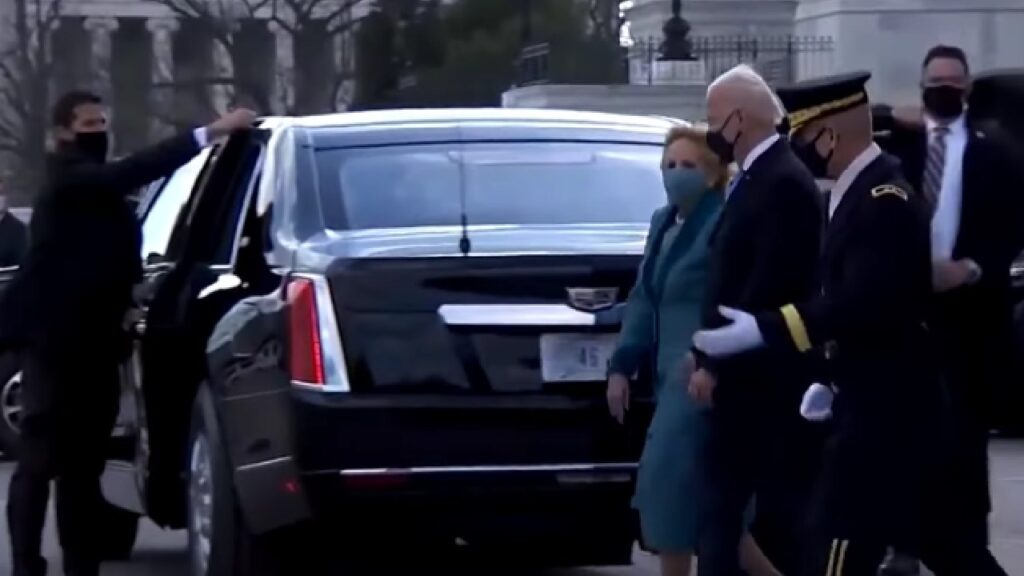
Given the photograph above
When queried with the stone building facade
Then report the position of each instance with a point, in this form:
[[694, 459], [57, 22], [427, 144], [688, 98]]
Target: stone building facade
[[887, 37], [159, 68]]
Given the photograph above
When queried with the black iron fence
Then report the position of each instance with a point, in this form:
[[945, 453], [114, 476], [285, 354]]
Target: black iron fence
[[780, 59]]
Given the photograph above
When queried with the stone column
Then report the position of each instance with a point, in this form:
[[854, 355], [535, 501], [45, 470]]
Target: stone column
[[101, 32], [222, 92], [344, 66], [283, 95], [52, 46], [161, 33]]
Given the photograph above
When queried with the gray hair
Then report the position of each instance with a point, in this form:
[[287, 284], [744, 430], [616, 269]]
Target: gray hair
[[757, 94]]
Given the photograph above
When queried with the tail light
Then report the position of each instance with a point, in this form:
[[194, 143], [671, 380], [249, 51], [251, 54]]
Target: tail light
[[315, 356]]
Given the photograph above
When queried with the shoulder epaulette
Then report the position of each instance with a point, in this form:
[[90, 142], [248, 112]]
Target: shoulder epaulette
[[889, 189]]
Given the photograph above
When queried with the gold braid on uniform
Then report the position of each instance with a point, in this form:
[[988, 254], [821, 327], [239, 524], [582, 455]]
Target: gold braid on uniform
[[889, 190], [797, 328], [800, 117]]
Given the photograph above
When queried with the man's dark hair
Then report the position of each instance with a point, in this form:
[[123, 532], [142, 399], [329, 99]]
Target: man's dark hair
[[64, 109], [950, 52]]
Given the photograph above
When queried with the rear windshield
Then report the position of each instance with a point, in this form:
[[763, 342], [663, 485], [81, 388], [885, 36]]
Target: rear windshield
[[503, 183]]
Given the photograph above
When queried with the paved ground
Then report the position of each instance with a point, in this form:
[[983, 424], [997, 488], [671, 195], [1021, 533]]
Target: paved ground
[[161, 553]]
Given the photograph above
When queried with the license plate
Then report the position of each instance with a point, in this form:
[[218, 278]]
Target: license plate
[[576, 357]]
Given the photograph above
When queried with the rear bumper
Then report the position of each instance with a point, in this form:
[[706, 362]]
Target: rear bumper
[[551, 476], [433, 435], [565, 515]]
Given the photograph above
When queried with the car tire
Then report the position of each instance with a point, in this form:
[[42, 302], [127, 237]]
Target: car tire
[[10, 404], [120, 530], [219, 541]]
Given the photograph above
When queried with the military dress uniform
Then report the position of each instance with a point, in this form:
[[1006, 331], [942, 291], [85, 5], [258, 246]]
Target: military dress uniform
[[870, 319]]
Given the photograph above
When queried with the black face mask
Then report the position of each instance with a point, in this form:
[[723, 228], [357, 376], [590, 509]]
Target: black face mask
[[718, 144], [95, 145], [808, 153], [943, 102]]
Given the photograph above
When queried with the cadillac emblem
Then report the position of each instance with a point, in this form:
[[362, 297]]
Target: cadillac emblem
[[592, 299]]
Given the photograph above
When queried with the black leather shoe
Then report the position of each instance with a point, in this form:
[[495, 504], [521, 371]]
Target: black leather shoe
[[30, 568]]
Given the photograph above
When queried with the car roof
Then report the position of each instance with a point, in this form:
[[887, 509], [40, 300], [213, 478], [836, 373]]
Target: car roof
[[405, 117]]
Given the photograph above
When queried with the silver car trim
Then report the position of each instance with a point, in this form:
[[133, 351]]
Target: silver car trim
[[263, 464], [614, 468], [514, 315]]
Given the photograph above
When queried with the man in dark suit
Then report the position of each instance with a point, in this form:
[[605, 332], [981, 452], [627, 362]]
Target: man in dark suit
[[764, 253], [65, 311], [13, 234], [868, 318], [975, 193]]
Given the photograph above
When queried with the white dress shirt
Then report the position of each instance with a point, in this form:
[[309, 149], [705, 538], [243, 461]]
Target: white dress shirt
[[850, 174], [758, 150], [201, 136], [946, 219], [755, 153]]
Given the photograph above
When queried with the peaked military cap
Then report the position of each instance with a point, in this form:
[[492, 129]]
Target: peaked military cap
[[821, 97]]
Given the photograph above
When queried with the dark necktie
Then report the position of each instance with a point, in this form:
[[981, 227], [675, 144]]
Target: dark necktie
[[733, 184], [934, 166]]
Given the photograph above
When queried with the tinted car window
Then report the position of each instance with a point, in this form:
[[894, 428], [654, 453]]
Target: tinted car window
[[519, 183], [158, 223]]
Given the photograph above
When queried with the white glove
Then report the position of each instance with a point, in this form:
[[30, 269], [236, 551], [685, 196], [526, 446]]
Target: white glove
[[740, 336], [816, 405]]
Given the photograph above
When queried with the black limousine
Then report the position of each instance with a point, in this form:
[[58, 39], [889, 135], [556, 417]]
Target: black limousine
[[390, 328]]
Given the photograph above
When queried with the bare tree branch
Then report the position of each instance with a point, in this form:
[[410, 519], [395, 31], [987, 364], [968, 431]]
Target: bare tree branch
[[26, 71], [295, 18]]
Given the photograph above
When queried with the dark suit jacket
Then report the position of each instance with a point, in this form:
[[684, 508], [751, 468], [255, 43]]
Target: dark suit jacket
[[973, 324], [13, 240], [764, 254], [85, 240]]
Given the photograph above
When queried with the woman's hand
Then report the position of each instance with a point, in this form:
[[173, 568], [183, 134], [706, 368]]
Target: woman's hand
[[702, 387], [618, 397]]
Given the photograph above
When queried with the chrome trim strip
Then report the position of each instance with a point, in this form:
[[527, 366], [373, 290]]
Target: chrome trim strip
[[514, 315], [263, 464], [618, 467], [598, 478], [331, 349]]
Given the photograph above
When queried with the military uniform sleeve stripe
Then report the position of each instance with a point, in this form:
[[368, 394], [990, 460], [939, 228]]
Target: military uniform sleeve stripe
[[830, 569], [797, 329], [837, 558], [842, 557]]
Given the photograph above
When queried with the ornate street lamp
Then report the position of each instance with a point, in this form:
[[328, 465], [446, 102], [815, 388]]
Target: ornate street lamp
[[676, 44]]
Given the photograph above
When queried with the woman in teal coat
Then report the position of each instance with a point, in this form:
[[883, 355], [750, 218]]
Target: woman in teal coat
[[661, 317]]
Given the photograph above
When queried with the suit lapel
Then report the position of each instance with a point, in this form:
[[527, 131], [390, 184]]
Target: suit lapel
[[689, 232], [838, 223], [970, 208], [734, 203], [651, 260]]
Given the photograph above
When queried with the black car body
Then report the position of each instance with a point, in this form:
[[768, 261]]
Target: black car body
[[395, 325]]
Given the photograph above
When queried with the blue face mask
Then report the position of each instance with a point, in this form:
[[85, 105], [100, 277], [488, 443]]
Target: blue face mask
[[684, 187]]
